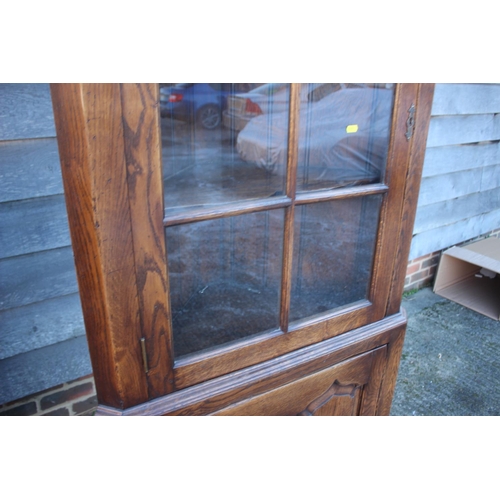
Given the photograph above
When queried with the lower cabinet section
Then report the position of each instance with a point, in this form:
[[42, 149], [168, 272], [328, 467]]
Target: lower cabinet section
[[348, 388], [352, 374]]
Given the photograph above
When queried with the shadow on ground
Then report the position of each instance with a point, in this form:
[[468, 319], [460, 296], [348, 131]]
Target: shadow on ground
[[451, 360]]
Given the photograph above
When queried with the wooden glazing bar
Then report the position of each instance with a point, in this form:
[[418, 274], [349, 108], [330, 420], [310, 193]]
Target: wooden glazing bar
[[340, 194], [291, 183], [225, 349], [286, 277], [224, 210], [293, 140], [328, 315]]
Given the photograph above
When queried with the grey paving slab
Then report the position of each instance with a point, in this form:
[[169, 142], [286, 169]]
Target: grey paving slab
[[451, 360]]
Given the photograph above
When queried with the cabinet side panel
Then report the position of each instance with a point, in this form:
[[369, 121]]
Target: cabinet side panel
[[90, 137]]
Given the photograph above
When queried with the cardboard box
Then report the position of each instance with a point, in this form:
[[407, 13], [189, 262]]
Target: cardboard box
[[464, 276]]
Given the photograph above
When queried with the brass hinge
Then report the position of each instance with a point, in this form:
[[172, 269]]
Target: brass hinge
[[144, 354], [410, 122]]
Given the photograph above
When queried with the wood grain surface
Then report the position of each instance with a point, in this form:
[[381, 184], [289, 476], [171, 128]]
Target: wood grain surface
[[215, 395], [142, 154], [91, 145], [344, 359], [403, 226]]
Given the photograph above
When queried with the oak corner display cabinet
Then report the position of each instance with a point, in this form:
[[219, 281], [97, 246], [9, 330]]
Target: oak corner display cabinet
[[241, 249]]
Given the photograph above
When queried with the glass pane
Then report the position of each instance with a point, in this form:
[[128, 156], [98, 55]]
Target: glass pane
[[217, 138], [225, 277], [343, 134], [333, 251]]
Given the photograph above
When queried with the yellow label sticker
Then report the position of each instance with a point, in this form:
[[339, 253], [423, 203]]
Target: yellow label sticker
[[351, 129]]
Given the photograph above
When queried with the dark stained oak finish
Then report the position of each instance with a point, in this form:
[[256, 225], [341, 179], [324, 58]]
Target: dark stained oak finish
[[175, 217], [411, 192], [336, 391], [395, 178], [291, 182], [142, 143], [342, 361]]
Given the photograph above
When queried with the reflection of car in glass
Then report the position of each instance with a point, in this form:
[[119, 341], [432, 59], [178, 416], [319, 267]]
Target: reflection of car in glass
[[343, 136], [274, 98], [200, 103], [270, 98]]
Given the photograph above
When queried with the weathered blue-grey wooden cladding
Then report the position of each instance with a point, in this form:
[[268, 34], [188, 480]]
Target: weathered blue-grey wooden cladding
[[42, 336], [29, 169], [25, 111], [460, 191]]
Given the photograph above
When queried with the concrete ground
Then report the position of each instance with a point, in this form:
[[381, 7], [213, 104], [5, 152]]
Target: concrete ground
[[451, 360]]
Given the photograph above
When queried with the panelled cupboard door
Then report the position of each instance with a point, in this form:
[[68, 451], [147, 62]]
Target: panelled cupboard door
[[348, 389], [220, 226]]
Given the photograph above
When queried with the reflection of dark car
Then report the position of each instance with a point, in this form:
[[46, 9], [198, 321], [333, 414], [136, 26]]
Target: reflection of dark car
[[343, 136], [200, 103], [268, 98]]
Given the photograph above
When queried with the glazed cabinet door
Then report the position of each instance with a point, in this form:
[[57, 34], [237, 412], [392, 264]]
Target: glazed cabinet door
[[280, 218]]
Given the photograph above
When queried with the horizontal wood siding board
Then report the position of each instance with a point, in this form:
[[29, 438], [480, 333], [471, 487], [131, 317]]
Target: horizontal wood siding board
[[465, 99], [490, 177], [448, 159], [29, 169], [36, 277], [448, 186], [38, 325], [459, 195], [463, 129], [25, 111], [453, 234], [41, 369], [33, 225], [456, 209]]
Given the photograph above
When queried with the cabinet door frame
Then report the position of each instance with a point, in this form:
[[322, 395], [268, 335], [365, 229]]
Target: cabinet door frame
[[110, 148]]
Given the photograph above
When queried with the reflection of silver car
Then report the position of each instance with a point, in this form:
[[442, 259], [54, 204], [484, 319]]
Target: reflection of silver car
[[269, 98], [273, 98], [343, 137]]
